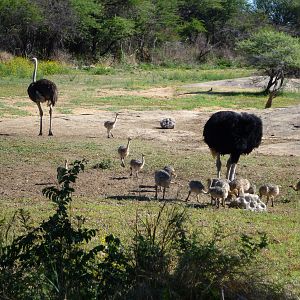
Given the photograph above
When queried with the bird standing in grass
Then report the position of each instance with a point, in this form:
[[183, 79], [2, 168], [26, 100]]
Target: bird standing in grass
[[228, 132], [163, 179], [137, 165], [41, 91], [110, 125], [270, 191], [196, 187], [124, 152]]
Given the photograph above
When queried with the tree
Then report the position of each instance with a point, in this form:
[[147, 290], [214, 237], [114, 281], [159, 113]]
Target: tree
[[275, 53], [282, 13]]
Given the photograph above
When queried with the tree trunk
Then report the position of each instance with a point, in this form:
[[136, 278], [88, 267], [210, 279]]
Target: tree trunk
[[272, 95], [276, 81]]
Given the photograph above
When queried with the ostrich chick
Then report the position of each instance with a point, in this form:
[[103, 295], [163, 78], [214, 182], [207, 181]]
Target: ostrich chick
[[217, 182], [296, 187], [137, 165], [239, 186], [163, 179], [110, 125], [218, 193], [124, 151], [269, 190], [196, 187]]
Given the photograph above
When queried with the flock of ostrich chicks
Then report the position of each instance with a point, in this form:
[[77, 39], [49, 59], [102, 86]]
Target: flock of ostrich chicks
[[225, 132], [239, 193]]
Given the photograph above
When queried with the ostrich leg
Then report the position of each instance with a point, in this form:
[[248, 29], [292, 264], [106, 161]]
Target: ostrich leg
[[218, 165], [187, 198], [50, 113], [228, 165], [156, 192], [164, 190], [232, 172], [231, 165], [41, 117]]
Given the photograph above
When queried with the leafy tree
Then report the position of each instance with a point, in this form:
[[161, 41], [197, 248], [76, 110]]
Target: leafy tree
[[284, 13], [275, 53], [19, 20]]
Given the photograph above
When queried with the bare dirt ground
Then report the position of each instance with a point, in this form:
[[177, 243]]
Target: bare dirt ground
[[281, 137]]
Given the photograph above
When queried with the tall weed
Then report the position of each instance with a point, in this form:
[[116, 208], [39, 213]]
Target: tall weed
[[22, 68]]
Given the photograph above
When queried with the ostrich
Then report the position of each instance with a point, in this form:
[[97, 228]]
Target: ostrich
[[218, 192], [41, 91], [239, 186], [163, 179], [137, 165], [123, 152], [110, 125], [269, 190], [195, 187], [228, 132], [296, 187], [217, 182]]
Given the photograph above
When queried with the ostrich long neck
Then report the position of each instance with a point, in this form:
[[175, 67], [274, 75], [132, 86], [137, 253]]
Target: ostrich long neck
[[143, 160], [116, 119], [35, 70], [127, 147]]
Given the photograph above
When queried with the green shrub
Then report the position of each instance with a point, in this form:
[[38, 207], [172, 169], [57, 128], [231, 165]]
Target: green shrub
[[52, 261], [104, 164]]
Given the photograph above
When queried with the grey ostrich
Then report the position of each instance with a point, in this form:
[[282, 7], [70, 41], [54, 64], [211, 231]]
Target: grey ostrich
[[137, 165], [41, 91], [110, 125], [124, 152], [228, 132], [163, 179]]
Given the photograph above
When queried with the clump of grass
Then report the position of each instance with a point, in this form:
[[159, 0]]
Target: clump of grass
[[102, 70], [103, 164]]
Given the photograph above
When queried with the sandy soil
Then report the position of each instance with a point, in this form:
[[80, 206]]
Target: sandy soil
[[281, 137]]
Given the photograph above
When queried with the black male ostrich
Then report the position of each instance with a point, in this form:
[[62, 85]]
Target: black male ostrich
[[41, 91], [228, 132]]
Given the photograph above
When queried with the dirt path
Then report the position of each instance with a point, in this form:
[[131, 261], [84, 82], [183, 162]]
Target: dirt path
[[281, 127]]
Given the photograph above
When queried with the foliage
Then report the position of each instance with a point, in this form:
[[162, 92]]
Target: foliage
[[54, 253], [285, 13], [274, 52], [268, 49], [23, 68], [104, 164], [206, 267], [136, 29]]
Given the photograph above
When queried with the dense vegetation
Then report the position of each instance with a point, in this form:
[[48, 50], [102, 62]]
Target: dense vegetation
[[140, 30]]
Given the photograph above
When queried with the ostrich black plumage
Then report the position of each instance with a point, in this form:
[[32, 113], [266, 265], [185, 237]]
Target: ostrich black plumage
[[228, 132], [41, 91]]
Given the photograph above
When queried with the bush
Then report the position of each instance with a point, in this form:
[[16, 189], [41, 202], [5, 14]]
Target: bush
[[104, 164], [51, 260]]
